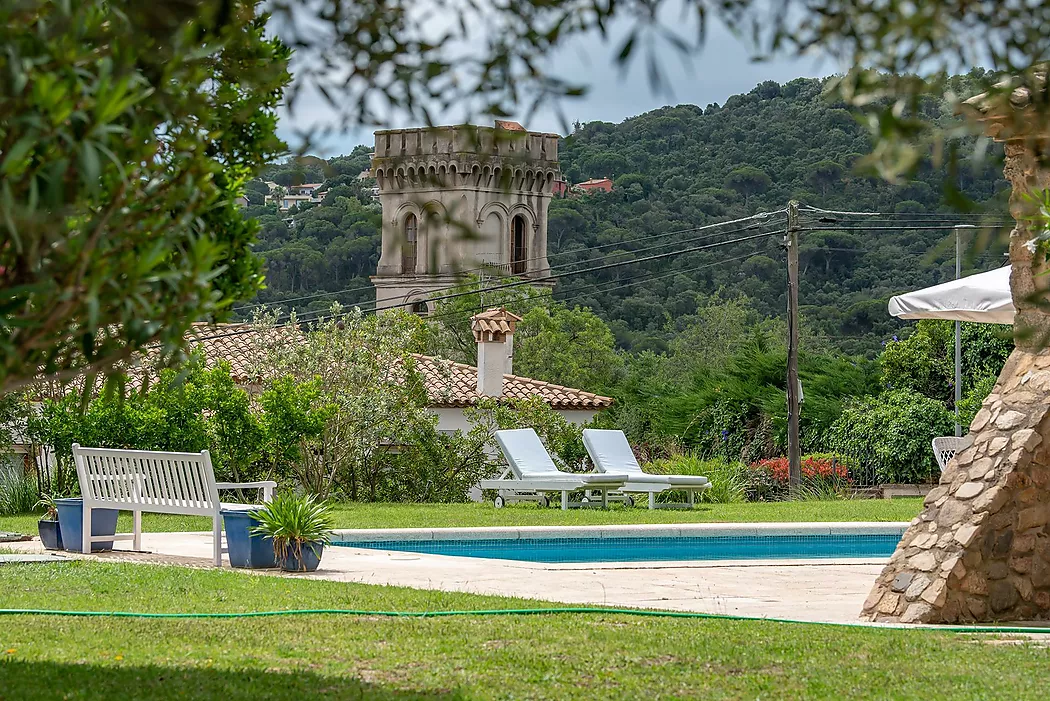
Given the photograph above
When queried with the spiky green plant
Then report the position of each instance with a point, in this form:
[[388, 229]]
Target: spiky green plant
[[728, 478], [47, 503], [293, 521], [17, 494]]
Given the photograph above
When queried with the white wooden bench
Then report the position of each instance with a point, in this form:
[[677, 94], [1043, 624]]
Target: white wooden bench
[[159, 482]]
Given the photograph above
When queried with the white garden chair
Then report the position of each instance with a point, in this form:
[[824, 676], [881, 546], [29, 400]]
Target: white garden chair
[[945, 448]]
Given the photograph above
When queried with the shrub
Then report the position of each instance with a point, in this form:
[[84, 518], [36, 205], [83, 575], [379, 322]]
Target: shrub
[[562, 438], [439, 467], [769, 479], [892, 432], [18, 494], [294, 521], [728, 478]]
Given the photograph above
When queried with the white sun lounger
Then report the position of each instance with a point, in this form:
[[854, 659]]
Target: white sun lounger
[[610, 452], [532, 473]]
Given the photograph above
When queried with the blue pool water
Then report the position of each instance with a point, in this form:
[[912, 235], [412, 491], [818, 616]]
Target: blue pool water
[[653, 549]]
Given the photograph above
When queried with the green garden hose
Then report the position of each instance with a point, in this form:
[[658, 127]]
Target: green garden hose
[[507, 612]]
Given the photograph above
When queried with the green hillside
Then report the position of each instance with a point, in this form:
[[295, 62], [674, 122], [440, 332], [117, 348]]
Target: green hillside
[[676, 169]]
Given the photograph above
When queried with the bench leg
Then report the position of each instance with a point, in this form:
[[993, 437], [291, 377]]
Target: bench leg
[[605, 498], [136, 543], [85, 530], [216, 531], [652, 500], [564, 500], [692, 498]]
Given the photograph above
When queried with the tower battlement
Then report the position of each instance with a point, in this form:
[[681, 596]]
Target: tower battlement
[[459, 198]]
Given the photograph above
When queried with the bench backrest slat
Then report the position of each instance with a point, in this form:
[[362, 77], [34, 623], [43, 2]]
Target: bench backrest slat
[[178, 482]]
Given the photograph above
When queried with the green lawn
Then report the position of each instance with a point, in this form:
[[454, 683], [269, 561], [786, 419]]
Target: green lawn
[[446, 515], [560, 656]]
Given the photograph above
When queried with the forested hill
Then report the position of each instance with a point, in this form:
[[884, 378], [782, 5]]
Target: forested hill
[[676, 169]]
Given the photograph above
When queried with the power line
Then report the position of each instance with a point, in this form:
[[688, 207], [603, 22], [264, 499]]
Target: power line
[[599, 287], [598, 268], [591, 260], [881, 228], [764, 215], [905, 219], [483, 268], [811, 208], [519, 283]]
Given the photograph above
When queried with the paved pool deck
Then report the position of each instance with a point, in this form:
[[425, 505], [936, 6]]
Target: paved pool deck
[[807, 590]]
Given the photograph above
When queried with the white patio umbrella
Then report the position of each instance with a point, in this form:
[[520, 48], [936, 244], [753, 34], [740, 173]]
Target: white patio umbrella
[[983, 298]]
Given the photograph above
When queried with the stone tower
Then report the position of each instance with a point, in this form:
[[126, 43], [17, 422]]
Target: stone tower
[[459, 200]]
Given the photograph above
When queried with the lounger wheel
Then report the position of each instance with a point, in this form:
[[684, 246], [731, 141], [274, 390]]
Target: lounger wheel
[[629, 501], [544, 502], [498, 502], [585, 500]]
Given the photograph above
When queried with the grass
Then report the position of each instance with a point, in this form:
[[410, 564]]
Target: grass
[[563, 656], [449, 515]]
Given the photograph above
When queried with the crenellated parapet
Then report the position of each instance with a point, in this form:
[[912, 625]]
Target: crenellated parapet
[[461, 200], [465, 157]]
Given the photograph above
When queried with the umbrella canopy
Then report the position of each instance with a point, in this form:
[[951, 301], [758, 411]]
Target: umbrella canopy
[[984, 298]]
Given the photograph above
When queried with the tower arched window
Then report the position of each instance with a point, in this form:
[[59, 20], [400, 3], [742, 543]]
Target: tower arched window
[[408, 248], [420, 308], [519, 250]]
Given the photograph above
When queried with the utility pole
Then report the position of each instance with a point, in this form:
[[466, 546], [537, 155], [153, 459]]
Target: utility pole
[[793, 386], [958, 329]]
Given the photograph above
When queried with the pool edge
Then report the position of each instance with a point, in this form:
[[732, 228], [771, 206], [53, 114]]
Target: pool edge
[[347, 536]]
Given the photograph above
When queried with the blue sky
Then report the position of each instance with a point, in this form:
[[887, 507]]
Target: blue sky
[[722, 69]]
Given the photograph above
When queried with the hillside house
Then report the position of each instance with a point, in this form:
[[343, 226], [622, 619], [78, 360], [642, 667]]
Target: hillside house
[[594, 185]]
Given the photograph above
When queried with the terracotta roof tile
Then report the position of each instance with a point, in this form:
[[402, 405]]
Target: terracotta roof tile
[[448, 384], [493, 322], [451, 384]]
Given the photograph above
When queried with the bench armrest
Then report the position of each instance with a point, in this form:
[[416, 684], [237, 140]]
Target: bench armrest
[[267, 487]]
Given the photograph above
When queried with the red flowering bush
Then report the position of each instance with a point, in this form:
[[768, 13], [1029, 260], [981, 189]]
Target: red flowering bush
[[812, 468], [770, 477]]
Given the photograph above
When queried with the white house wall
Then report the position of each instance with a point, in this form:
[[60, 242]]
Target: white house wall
[[451, 419]]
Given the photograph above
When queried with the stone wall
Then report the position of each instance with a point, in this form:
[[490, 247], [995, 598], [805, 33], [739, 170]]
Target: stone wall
[[980, 550]]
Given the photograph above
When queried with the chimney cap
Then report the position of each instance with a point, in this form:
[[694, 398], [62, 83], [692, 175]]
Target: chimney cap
[[493, 325]]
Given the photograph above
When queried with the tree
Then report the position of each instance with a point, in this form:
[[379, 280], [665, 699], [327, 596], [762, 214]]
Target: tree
[[367, 393], [925, 361], [125, 146], [897, 55], [892, 432], [748, 180], [825, 174], [707, 339], [450, 333], [570, 347]]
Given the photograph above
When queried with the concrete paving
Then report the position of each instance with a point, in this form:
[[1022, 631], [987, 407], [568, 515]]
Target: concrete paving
[[821, 590]]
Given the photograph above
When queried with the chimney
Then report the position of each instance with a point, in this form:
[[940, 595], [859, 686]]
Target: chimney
[[493, 332]]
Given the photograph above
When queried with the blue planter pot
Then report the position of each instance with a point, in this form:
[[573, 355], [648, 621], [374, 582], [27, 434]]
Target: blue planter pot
[[50, 534], [311, 558], [246, 549], [71, 518]]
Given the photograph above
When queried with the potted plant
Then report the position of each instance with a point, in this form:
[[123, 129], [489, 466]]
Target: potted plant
[[71, 523], [245, 547], [50, 533], [299, 526]]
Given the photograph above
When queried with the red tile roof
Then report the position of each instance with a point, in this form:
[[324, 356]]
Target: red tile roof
[[448, 384], [452, 384]]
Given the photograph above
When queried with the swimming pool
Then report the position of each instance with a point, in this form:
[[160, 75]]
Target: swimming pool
[[652, 549]]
